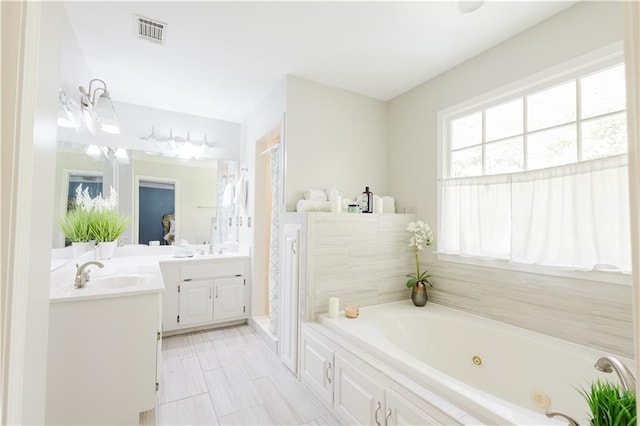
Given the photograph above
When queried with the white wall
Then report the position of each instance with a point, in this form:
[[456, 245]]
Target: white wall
[[197, 198], [587, 312], [412, 116], [267, 115], [335, 138]]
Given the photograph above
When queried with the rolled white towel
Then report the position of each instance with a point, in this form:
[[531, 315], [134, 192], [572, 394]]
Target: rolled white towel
[[313, 206], [388, 204], [315, 195]]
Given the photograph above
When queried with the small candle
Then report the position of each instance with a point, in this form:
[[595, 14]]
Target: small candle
[[351, 311], [334, 304]]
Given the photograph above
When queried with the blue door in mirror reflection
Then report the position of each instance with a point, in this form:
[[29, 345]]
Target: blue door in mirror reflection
[[156, 200]]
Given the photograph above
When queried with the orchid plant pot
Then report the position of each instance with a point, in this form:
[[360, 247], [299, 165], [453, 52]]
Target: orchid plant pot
[[419, 295]]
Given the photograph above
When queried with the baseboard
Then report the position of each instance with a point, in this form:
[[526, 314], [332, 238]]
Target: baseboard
[[261, 327]]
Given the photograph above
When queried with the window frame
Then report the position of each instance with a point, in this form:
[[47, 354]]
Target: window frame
[[576, 68]]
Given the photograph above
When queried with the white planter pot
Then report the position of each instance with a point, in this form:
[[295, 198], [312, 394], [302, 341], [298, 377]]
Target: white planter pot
[[81, 248], [105, 249]]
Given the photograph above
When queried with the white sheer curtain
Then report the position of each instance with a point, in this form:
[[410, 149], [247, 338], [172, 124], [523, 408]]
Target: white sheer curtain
[[574, 216]]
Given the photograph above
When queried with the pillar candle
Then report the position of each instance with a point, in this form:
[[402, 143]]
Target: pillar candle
[[334, 304]]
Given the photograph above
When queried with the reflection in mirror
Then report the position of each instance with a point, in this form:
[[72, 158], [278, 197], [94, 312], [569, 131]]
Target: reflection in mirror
[[193, 186], [156, 218], [73, 167], [78, 182], [226, 229], [195, 183]]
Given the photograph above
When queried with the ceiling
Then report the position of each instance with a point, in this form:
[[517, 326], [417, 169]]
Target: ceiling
[[220, 59]]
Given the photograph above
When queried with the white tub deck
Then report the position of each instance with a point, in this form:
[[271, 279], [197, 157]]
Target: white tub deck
[[521, 374]]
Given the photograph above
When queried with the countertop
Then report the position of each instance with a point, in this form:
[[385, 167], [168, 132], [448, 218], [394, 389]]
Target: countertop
[[141, 261]]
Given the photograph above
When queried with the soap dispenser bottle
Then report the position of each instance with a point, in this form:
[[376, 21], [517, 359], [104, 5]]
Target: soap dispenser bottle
[[366, 201]]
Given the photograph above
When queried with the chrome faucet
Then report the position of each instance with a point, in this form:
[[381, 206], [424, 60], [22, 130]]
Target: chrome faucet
[[569, 419], [210, 244], [82, 273], [607, 364]]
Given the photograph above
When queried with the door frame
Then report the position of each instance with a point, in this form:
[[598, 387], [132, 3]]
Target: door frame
[[136, 202]]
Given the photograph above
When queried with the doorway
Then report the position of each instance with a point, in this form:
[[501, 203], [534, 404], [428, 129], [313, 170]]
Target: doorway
[[268, 184], [156, 218]]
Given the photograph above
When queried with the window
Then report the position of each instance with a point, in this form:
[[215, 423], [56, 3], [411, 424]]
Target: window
[[579, 119], [538, 175]]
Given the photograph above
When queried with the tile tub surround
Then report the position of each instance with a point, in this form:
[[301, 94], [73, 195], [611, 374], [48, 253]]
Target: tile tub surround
[[590, 313], [361, 258], [364, 259]]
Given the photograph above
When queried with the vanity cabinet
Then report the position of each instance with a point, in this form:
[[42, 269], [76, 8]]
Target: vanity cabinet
[[103, 358], [359, 394], [202, 292]]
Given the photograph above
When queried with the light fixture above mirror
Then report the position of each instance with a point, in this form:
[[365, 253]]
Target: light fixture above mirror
[[98, 109], [66, 118], [178, 146]]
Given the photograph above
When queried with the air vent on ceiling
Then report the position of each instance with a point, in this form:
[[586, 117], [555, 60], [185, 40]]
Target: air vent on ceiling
[[150, 30]]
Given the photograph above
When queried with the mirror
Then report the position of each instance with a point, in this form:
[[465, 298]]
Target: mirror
[[195, 188]]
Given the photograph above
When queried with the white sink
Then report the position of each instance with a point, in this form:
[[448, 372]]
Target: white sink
[[117, 281]]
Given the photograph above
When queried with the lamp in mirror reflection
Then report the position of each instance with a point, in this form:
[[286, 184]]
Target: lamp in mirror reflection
[[93, 150], [178, 146], [97, 107], [66, 118], [112, 154]]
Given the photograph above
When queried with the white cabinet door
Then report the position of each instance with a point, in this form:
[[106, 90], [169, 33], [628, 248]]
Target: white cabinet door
[[196, 302], [400, 411], [358, 398], [288, 340], [228, 302], [317, 367]]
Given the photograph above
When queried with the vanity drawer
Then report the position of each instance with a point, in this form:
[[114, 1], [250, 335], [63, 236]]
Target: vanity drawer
[[216, 270]]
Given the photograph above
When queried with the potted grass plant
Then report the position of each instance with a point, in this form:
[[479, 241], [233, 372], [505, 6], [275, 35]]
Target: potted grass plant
[[107, 223], [94, 220], [610, 405], [76, 226]]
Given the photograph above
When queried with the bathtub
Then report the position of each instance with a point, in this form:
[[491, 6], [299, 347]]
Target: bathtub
[[498, 373]]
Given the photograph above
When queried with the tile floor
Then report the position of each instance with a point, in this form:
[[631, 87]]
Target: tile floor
[[228, 376]]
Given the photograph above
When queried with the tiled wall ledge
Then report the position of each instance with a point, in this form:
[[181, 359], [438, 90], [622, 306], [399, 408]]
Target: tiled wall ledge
[[360, 258], [591, 313]]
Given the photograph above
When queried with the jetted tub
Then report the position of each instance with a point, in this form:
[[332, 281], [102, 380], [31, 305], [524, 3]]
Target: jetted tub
[[499, 373]]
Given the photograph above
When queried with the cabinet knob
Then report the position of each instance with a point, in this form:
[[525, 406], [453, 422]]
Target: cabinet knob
[[386, 418]]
